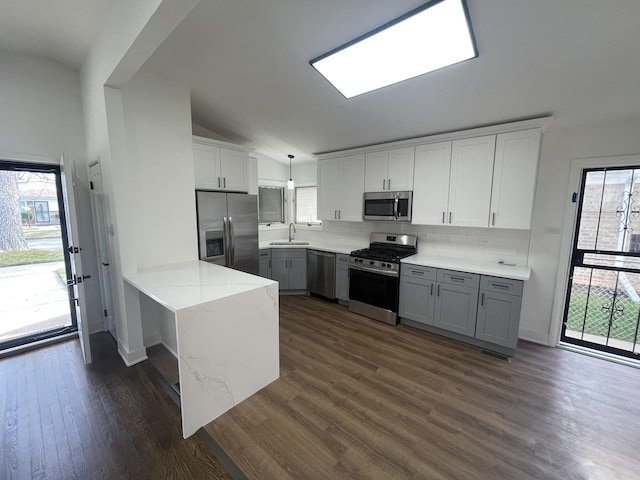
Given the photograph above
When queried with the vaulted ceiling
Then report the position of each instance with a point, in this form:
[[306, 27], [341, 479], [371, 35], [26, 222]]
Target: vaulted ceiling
[[247, 66]]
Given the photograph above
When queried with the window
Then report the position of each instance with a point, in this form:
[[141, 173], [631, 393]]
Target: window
[[306, 205], [270, 205]]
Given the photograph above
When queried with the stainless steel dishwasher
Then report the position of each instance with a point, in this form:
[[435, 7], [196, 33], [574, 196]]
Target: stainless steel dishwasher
[[321, 273]]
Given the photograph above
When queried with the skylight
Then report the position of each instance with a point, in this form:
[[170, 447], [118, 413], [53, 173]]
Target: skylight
[[433, 36]]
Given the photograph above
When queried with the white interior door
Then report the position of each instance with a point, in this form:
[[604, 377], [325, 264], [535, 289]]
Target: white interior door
[[100, 229], [76, 282]]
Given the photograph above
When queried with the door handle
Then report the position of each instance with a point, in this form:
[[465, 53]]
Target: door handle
[[389, 183], [482, 300], [449, 217], [218, 182], [431, 290], [232, 241], [225, 241], [339, 214], [493, 219], [438, 293], [224, 181], [443, 213], [383, 184]]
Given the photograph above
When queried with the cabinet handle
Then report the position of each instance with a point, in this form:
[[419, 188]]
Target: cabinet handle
[[438, 293], [432, 289], [457, 279], [269, 263], [389, 183], [482, 300], [493, 218], [498, 285], [443, 213], [383, 184], [335, 214], [218, 182], [417, 272], [339, 214], [449, 217], [224, 182]]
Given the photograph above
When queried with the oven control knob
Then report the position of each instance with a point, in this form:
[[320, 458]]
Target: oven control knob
[[371, 262], [384, 265]]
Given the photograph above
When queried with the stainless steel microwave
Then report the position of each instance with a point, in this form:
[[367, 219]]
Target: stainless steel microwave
[[394, 206]]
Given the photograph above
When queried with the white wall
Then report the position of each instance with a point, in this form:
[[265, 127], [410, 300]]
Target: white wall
[[130, 34], [543, 299], [158, 124]]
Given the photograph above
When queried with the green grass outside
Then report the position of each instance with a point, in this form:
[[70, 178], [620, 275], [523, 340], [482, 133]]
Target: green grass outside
[[596, 318], [27, 257]]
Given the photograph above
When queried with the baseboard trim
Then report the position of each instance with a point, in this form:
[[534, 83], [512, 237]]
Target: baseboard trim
[[132, 358], [534, 337]]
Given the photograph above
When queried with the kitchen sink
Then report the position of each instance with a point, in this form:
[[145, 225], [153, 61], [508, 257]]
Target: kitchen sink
[[289, 243]]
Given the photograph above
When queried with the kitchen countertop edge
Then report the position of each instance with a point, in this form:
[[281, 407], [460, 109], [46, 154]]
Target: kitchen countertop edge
[[515, 272]]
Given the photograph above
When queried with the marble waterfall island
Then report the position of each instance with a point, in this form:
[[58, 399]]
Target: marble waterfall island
[[226, 332]]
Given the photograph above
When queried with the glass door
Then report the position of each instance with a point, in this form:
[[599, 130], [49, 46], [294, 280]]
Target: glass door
[[603, 307], [34, 266]]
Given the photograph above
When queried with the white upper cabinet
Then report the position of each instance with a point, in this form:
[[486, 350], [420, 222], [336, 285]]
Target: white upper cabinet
[[220, 165], [340, 188], [431, 183], [514, 179], [470, 180], [389, 170]]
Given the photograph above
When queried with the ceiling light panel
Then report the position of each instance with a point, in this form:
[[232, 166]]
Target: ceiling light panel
[[433, 36]]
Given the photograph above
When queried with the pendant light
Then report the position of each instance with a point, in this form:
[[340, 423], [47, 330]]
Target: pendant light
[[290, 185]]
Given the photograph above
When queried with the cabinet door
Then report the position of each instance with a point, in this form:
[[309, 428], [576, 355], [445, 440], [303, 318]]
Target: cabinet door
[[431, 184], [351, 188], [279, 267], [455, 308], [514, 179], [233, 170], [470, 182], [342, 277], [297, 273], [498, 318], [417, 300], [206, 167], [264, 265], [329, 185], [400, 176], [376, 176]]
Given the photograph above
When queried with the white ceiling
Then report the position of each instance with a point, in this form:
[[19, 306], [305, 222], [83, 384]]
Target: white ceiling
[[246, 63], [62, 30]]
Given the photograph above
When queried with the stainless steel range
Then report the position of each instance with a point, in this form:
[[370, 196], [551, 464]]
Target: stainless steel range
[[374, 275]]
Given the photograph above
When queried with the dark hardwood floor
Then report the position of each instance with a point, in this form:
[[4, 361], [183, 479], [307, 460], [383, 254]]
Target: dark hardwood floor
[[358, 399], [63, 420]]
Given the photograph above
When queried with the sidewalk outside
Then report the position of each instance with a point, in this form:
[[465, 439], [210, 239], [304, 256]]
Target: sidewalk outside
[[33, 298]]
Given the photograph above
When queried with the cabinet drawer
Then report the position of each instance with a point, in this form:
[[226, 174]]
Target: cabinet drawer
[[501, 285], [288, 253], [459, 278], [265, 254], [417, 271]]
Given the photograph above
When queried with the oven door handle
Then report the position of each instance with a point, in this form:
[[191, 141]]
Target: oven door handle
[[373, 270]]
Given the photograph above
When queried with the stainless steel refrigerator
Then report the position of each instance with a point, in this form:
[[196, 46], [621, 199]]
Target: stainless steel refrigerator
[[228, 229]]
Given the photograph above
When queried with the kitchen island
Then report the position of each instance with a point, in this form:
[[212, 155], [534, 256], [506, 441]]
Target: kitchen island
[[226, 331]]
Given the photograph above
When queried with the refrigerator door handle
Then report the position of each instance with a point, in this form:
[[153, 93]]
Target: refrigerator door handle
[[225, 240], [232, 241]]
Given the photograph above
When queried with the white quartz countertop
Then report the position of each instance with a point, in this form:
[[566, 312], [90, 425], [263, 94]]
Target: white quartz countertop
[[325, 246], [182, 285], [515, 272]]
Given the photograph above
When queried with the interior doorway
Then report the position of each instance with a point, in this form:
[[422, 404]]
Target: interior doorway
[[602, 311], [34, 264]]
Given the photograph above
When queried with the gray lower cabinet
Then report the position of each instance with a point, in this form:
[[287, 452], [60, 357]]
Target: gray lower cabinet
[[499, 311], [264, 265], [456, 302], [342, 277], [289, 268], [417, 293]]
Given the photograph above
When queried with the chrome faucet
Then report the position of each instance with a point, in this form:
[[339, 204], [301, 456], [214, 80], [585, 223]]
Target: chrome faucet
[[294, 231]]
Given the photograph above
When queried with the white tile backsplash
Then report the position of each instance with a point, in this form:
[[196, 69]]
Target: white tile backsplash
[[485, 244]]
